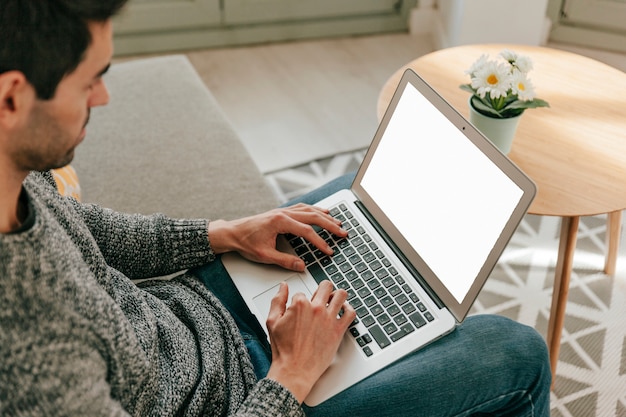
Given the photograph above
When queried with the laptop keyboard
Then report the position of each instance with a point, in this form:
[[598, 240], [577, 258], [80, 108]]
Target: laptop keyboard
[[387, 308]]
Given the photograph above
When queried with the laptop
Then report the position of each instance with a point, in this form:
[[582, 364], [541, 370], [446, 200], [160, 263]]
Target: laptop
[[429, 213]]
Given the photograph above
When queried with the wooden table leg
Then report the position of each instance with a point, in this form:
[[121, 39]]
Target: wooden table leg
[[567, 245], [613, 233]]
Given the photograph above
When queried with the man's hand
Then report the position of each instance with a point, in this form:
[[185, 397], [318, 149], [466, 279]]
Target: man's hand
[[305, 337], [255, 237]]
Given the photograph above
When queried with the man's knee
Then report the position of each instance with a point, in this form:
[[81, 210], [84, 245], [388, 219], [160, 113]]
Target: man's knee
[[510, 346]]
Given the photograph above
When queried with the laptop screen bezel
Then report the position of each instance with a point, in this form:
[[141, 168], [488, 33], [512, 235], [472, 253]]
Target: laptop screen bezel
[[458, 309]]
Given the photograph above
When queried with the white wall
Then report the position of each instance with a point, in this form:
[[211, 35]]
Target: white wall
[[461, 22]]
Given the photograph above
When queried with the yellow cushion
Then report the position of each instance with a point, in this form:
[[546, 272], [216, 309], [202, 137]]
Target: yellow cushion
[[67, 181]]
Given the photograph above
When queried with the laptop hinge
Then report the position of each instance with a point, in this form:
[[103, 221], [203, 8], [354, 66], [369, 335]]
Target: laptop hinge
[[400, 255]]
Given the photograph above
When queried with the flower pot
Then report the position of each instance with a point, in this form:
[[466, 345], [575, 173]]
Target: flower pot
[[500, 132]]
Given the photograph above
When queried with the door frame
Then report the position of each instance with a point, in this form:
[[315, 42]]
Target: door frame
[[584, 36]]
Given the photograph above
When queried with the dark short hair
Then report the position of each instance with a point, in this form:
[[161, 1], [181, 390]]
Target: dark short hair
[[47, 39]]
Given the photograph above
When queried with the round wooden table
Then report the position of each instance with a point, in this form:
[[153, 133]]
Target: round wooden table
[[575, 151]]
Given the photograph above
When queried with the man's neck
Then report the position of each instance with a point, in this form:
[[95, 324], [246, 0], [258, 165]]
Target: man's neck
[[13, 212]]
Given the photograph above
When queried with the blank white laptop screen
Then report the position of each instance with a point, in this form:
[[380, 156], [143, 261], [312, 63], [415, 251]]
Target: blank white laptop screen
[[451, 215]]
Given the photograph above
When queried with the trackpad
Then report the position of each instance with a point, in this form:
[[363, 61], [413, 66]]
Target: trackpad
[[264, 301]]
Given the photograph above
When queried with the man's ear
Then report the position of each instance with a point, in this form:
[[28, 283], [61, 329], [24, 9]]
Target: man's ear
[[16, 98]]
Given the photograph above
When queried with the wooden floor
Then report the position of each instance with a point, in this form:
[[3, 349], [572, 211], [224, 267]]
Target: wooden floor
[[295, 102]]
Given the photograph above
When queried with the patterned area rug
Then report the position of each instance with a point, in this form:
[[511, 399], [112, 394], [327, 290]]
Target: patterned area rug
[[591, 373]]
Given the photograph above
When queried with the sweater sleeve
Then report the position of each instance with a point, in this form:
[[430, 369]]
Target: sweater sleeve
[[146, 246], [269, 398], [51, 368]]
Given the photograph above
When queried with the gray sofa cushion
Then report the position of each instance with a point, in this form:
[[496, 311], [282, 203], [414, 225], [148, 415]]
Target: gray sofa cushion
[[162, 144]]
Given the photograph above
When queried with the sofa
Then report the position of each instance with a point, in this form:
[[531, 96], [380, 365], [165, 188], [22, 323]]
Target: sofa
[[162, 144]]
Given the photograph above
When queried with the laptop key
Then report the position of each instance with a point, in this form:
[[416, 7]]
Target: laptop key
[[358, 284], [408, 308], [403, 331], [344, 243], [380, 293], [390, 328], [351, 275], [364, 292], [368, 320], [393, 310], [318, 273], [308, 258], [354, 259], [362, 312], [400, 319], [356, 303], [367, 256], [331, 269], [417, 319], [386, 301], [379, 336], [338, 259], [395, 290], [376, 265], [370, 301], [343, 285], [402, 299], [326, 261], [301, 250], [383, 319], [365, 251], [377, 309]]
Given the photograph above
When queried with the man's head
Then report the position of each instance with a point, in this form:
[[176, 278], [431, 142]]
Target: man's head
[[53, 54], [47, 39]]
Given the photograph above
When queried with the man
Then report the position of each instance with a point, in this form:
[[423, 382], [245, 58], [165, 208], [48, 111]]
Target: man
[[78, 337]]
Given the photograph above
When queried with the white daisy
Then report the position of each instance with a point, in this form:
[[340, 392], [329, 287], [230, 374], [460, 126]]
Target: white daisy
[[521, 85], [480, 62], [509, 56], [524, 64], [492, 79]]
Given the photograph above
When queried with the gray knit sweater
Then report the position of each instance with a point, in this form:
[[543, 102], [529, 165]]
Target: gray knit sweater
[[79, 338]]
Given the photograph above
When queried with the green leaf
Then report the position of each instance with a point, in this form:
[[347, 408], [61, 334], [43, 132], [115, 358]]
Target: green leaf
[[539, 103], [508, 113], [481, 107], [518, 104], [532, 104], [511, 98], [468, 88]]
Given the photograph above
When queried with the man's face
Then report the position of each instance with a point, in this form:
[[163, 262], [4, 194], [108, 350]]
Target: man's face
[[55, 127]]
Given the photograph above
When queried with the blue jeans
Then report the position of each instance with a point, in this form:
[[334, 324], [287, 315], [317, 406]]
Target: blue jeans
[[489, 365]]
